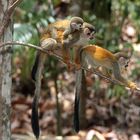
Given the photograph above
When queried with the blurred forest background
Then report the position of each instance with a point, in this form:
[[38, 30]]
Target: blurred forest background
[[112, 112]]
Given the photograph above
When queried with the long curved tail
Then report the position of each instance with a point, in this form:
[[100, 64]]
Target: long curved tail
[[35, 66], [78, 88], [36, 75], [76, 112]]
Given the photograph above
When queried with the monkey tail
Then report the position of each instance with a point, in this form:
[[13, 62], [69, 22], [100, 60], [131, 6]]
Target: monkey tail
[[35, 66], [76, 113], [35, 119], [76, 122], [37, 77]]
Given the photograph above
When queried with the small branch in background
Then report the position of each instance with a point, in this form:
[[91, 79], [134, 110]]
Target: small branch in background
[[22, 44], [60, 59], [14, 5], [7, 16]]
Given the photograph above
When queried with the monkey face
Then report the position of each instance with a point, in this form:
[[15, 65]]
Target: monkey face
[[76, 23], [89, 30], [89, 33], [76, 26]]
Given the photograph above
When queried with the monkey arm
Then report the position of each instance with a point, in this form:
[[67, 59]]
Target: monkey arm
[[70, 43]]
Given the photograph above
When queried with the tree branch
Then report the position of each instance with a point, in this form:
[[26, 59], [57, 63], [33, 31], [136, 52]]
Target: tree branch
[[7, 16], [61, 59], [14, 5], [23, 44]]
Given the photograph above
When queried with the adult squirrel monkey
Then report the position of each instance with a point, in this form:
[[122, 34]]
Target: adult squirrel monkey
[[53, 38], [64, 35], [99, 57], [95, 57], [61, 35]]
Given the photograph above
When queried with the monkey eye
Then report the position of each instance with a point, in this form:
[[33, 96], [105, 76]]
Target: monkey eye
[[93, 31], [76, 26], [88, 33], [80, 25]]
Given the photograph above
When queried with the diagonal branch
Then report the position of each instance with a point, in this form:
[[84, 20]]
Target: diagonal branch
[[7, 16], [60, 59], [22, 44], [13, 6]]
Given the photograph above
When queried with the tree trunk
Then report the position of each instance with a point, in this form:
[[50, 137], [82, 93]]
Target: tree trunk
[[5, 75]]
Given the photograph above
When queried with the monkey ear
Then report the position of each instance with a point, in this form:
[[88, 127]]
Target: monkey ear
[[86, 31]]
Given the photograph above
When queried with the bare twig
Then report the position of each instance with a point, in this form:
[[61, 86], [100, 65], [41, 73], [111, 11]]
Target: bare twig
[[7, 16], [14, 5], [61, 59], [23, 44]]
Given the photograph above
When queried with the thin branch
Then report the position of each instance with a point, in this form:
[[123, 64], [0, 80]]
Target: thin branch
[[14, 5], [23, 44], [61, 59], [7, 16], [5, 24]]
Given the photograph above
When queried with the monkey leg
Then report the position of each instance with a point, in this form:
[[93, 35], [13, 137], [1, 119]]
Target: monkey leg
[[66, 55], [78, 58], [118, 76], [105, 72], [77, 62]]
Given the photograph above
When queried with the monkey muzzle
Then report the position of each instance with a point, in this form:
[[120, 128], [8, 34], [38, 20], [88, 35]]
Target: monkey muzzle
[[92, 35], [78, 27]]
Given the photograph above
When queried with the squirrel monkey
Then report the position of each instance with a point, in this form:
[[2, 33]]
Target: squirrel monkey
[[63, 35], [53, 38], [87, 35], [99, 57]]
